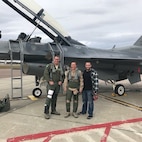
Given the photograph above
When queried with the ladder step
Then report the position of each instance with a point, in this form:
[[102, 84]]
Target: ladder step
[[17, 88], [16, 78], [15, 68], [16, 97]]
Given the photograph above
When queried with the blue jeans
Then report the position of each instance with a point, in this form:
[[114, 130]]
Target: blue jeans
[[87, 98]]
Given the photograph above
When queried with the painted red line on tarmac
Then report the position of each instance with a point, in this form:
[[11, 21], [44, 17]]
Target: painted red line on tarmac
[[48, 139], [106, 133], [48, 135]]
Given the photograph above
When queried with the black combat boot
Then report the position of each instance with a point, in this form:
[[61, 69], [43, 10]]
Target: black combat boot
[[46, 112]]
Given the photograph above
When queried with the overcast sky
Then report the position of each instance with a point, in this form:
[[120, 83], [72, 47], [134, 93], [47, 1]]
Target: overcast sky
[[97, 23]]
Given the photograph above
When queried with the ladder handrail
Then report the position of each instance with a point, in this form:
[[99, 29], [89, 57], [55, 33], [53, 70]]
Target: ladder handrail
[[21, 62], [61, 51], [53, 53]]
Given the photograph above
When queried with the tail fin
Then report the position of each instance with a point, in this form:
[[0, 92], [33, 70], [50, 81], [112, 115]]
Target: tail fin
[[138, 42]]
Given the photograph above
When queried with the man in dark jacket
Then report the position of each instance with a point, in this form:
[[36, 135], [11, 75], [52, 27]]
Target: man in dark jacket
[[54, 76], [90, 77]]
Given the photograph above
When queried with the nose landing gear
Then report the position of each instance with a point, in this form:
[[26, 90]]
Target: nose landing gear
[[119, 90], [37, 92]]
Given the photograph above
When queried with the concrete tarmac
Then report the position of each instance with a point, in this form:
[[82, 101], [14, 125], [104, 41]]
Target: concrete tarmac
[[112, 122]]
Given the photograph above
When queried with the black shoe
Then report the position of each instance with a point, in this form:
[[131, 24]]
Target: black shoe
[[79, 113], [89, 117], [55, 112]]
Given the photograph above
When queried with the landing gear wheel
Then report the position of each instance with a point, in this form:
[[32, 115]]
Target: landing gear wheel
[[37, 92], [119, 89]]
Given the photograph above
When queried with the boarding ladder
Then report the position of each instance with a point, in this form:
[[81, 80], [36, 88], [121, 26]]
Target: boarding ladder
[[57, 49], [16, 49], [61, 51]]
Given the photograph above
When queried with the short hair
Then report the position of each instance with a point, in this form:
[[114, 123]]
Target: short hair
[[73, 62], [88, 62], [57, 56]]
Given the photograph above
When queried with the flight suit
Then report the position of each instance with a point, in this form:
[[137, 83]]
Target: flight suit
[[51, 73], [73, 83]]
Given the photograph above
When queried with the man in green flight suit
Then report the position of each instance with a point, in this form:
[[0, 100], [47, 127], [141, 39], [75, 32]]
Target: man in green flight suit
[[73, 85], [54, 76]]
